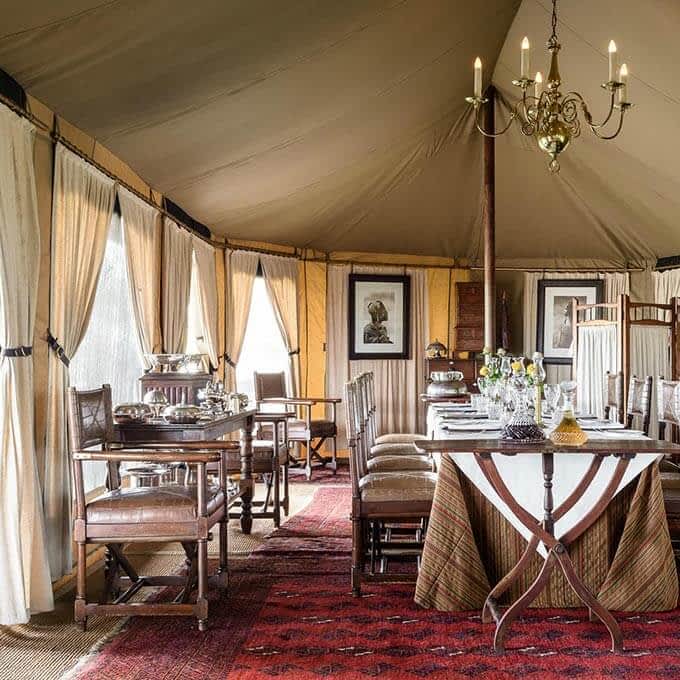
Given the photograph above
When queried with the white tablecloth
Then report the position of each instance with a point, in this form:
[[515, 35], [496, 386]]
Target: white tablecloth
[[523, 473]]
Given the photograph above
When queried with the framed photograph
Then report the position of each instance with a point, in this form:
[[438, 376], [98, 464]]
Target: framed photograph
[[379, 309], [554, 332]]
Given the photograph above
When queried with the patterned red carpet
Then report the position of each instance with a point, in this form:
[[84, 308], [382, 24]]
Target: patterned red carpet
[[289, 614]]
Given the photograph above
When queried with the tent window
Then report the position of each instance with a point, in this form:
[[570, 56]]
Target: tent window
[[109, 352], [263, 347]]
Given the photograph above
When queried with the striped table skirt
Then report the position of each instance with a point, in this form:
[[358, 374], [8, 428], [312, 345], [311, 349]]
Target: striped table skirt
[[625, 558]]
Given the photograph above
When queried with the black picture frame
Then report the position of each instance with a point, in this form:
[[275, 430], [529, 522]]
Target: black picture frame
[[399, 284], [547, 316]]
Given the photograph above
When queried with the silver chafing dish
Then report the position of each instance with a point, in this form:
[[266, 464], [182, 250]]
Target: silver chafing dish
[[131, 413], [184, 414], [446, 384]]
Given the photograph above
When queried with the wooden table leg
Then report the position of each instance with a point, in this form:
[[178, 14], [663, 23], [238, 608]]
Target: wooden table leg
[[558, 553], [246, 484]]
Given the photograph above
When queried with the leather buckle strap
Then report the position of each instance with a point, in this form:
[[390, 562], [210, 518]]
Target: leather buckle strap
[[57, 349], [15, 352]]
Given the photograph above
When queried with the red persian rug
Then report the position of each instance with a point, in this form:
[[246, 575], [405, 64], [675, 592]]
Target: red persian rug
[[289, 614]]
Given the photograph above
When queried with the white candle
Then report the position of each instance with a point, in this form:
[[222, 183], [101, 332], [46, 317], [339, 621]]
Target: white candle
[[623, 78], [539, 85], [525, 59], [478, 78], [612, 61]]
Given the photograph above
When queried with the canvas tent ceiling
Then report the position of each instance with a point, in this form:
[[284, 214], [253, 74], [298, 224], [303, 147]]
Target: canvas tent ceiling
[[343, 126]]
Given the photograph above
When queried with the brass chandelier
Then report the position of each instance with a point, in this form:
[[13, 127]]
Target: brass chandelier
[[550, 116]]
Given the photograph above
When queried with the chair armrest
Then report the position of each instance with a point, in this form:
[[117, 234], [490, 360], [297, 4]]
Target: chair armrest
[[158, 456], [213, 445], [273, 418], [287, 400], [325, 400]]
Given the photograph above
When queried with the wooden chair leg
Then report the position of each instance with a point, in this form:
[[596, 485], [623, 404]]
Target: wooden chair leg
[[202, 596], [308, 458], [286, 496], [268, 480], [357, 555], [224, 548], [277, 493], [81, 588]]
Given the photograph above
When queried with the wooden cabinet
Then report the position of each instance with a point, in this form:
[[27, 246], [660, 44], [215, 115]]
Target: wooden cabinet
[[469, 329], [178, 387]]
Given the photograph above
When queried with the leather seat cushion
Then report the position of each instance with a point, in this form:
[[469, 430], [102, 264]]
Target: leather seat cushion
[[161, 504], [297, 429], [405, 438], [399, 463], [405, 487], [394, 450]]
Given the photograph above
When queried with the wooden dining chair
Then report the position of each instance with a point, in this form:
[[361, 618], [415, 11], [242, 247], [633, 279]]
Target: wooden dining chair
[[400, 498], [665, 396], [311, 433], [183, 513], [639, 402], [613, 395]]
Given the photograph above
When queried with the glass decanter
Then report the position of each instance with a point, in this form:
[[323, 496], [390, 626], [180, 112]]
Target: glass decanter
[[521, 426], [568, 432]]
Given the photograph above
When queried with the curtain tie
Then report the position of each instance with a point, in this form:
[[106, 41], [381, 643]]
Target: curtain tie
[[57, 349], [294, 352], [14, 352], [229, 360]]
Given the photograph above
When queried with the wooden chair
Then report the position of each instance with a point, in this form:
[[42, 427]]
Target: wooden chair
[[175, 512], [613, 395], [389, 456], [665, 396], [639, 402], [385, 438], [269, 460], [270, 389], [379, 498]]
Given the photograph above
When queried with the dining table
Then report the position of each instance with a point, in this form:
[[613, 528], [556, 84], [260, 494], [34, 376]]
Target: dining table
[[515, 523], [205, 429]]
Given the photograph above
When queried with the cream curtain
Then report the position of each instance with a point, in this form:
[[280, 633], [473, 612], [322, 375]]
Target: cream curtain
[[240, 270], [24, 569], [207, 293], [280, 276], [176, 285], [666, 285], [650, 355], [81, 215], [597, 354], [142, 243], [398, 383]]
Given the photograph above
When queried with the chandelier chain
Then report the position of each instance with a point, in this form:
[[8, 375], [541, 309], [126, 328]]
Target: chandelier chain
[[553, 35]]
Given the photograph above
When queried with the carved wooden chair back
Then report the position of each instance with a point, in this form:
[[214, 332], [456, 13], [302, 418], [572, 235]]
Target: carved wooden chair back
[[639, 401], [270, 386], [613, 395], [665, 404], [90, 419]]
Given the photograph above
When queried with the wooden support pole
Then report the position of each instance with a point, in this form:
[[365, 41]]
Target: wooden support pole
[[490, 222]]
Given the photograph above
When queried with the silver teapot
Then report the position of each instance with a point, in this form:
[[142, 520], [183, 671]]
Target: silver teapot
[[446, 384]]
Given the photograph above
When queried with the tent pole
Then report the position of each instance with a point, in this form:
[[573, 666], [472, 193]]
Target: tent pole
[[490, 222]]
